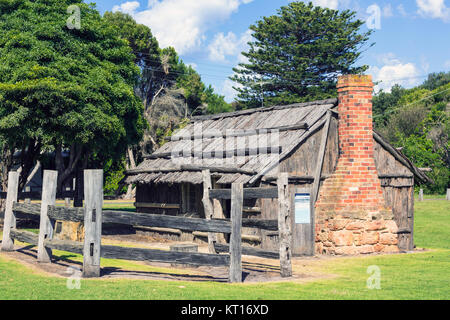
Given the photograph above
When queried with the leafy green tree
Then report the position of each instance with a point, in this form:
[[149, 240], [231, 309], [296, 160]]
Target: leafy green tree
[[65, 88], [297, 55]]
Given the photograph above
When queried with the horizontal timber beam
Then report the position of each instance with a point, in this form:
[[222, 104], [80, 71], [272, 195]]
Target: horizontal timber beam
[[161, 221], [216, 154], [231, 133], [249, 193]]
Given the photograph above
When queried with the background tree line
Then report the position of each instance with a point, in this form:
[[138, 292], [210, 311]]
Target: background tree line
[[106, 95]]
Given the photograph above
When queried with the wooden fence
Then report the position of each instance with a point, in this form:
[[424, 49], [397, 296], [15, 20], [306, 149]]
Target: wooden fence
[[93, 216]]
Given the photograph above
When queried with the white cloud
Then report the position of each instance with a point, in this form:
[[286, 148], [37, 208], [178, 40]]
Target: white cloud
[[388, 11], [228, 91], [331, 4], [394, 72], [433, 9], [127, 7], [224, 46], [401, 10], [182, 23], [447, 64]]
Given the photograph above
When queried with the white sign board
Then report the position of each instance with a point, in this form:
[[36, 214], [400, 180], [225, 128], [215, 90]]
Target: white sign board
[[302, 208]]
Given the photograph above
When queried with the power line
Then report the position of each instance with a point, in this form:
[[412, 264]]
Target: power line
[[410, 104]]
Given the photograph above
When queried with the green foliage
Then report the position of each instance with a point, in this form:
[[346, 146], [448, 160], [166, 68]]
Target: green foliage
[[61, 86], [418, 120], [114, 173], [297, 54]]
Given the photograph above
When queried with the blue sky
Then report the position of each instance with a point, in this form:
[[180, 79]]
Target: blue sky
[[412, 36]]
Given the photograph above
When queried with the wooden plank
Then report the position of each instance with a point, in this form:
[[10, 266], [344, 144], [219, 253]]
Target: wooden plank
[[249, 251], [237, 199], [284, 225], [66, 214], [239, 133], [162, 221], [249, 193], [26, 209], [208, 207], [24, 236], [157, 205], [93, 195], [47, 225], [191, 168], [139, 254], [316, 183], [215, 154], [65, 245], [10, 219]]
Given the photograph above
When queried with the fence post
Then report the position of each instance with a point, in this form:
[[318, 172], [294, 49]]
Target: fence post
[[46, 226], [284, 225], [421, 195], [93, 195], [9, 221], [209, 208], [448, 194], [237, 198]]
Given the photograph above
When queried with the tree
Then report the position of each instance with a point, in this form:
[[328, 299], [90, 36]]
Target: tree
[[65, 89], [297, 55]]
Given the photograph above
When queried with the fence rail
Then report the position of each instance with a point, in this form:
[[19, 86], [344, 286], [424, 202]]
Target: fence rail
[[93, 217]]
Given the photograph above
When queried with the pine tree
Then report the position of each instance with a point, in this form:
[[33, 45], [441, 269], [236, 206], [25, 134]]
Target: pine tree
[[297, 55]]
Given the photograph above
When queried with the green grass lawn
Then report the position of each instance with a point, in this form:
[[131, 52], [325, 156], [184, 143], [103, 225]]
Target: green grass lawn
[[424, 275]]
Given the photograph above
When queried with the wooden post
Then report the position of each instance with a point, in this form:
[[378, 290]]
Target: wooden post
[[9, 221], [448, 194], [237, 198], [316, 183], [421, 195], [47, 225], [284, 225], [93, 195], [209, 208]]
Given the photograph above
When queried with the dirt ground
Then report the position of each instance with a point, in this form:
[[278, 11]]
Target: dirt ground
[[255, 270]]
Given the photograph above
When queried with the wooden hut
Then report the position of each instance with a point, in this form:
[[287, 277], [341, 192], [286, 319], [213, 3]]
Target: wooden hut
[[306, 140]]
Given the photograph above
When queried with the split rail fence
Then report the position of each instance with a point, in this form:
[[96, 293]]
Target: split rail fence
[[93, 216]]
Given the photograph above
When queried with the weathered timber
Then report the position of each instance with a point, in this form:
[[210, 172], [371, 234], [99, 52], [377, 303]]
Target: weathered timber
[[313, 129], [192, 168], [139, 254], [157, 205], [402, 159], [93, 193], [211, 134], [249, 193], [421, 195], [10, 219], [249, 251], [162, 221], [284, 225], [64, 245], [24, 236], [27, 211], [47, 225], [215, 154], [184, 247], [316, 184], [208, 207], [237, 199], [66, 214]]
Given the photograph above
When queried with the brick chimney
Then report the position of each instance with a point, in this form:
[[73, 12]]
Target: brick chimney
[[351, 215]]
